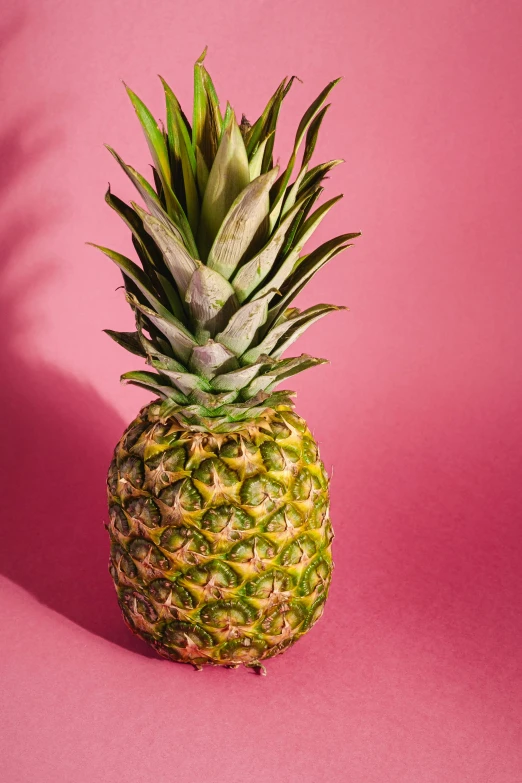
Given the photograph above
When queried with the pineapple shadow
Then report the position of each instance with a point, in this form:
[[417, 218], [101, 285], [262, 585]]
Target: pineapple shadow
[[58, 438]]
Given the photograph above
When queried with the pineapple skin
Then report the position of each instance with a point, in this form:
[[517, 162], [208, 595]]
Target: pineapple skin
[[220, 543]]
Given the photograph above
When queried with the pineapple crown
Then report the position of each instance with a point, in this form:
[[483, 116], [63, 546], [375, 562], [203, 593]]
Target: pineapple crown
[[220, 244]]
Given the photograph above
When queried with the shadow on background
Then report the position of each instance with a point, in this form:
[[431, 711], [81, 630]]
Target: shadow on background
[[57, 434]]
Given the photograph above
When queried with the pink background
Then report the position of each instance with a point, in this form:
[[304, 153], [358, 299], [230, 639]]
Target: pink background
[[414, 673]]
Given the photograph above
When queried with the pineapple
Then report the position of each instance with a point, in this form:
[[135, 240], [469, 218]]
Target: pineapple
[[218, 500]]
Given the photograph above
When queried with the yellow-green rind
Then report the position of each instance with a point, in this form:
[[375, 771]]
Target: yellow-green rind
[[220, 543]]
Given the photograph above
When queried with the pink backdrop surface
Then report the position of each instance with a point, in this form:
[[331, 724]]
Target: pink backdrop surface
[[414, 673]]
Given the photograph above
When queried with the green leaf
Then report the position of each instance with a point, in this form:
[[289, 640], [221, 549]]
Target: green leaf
[[176, 306], [301, 130], [265, 126], [281, 370], [253, 272], [292, 193], [273, 400], [180, 223], [149, 255], [313, 222], [297, 330], [144, 188], [312, 134], [148, 194], [306, 269], [274, 335], [288, 367], [150, 346], [153, 135], [137, 275], [179, 262], [258, 132], [227, 118], [256, 161], [185, 382], [128, 340], [201, 173], [258, 384], [211, 358], [160, 155], [182, 148], [212, 401], [154, 382], [308, 202], [245, 219], [211, 301], [315, 176], [207, 122], [243, 326], [308, 228], [180, 339], [238, 379], [177, 127], [228, 176]]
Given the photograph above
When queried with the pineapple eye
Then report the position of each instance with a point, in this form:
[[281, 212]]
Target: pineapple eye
[[253, 550], [131, 471], [170, 460], [183, 495], [310, 451], [133, 434], [183, 635], [165, 592], [284, 520], [135, 604], [261, 489], [120, 561], [299, 551], [112, 478], [316, 577], [214, 472], [294, 421], [175, 538], [231, 449], [306, 486], [224, 614], [217, 519], [119, 520], [280, 431], [144, 510], [245, 650], [272, 456], [146, 552], [273, 584], [215, 574], [284, 619]]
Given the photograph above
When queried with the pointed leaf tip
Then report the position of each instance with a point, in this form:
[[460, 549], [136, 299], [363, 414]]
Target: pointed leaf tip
[[202, 56]]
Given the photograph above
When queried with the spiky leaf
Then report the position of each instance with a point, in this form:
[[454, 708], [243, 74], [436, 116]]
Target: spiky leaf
[[177, 259], [206, 125], [211, 301], [228, 176], [243, 326], [180, 339], [128, 340], [242, 223]]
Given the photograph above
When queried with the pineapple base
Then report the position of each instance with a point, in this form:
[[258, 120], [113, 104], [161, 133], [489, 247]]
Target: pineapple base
[[220, 543]]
